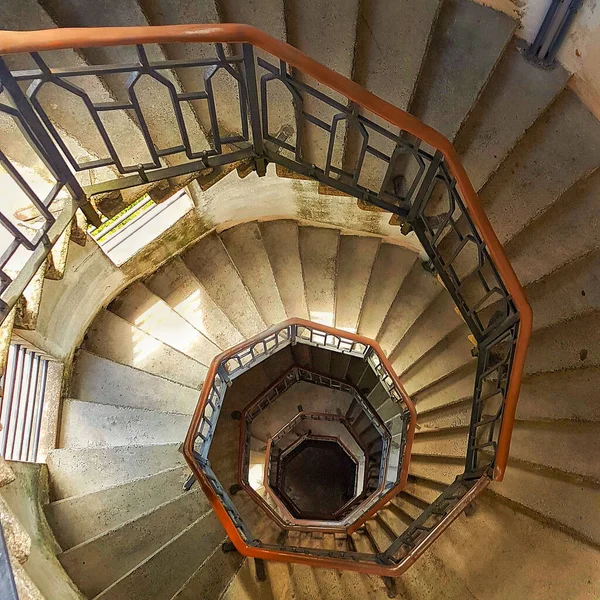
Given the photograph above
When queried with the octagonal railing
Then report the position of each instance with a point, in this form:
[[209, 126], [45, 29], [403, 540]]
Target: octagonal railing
[[234, 362], [392, 471], [438, 203]]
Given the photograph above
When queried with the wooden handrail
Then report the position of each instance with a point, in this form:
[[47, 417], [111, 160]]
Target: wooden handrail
[[54, 39]]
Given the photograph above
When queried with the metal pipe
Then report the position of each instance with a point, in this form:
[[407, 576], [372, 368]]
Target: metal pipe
[[29, 430], [9, 405], [38, 424]]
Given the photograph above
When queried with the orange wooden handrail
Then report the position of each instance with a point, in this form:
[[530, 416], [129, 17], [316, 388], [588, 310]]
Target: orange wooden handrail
[[54, 39]]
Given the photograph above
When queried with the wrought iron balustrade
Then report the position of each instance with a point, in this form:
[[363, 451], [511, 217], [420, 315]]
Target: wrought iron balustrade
[[451, 225]]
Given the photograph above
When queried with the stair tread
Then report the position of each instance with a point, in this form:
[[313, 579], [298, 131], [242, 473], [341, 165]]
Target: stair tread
[[391, 266], [112, 337], [149, 313], [319, 254], [133, 541], [283, 248], [98, 379], [178, 286], [467, 43], [516, 95], [245, 247], [163, 573], [95, 425], [356, 257], [542, 164], [112, 506], [210, 263], [76, 471]]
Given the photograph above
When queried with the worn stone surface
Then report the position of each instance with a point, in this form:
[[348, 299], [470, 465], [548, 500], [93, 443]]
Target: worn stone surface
[[17, 539], [467, 43]]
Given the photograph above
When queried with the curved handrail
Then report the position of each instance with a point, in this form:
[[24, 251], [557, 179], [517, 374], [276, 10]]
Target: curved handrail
[[54, 39]]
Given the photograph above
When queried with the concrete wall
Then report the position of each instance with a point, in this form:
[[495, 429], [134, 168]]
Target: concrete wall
[[580, 52], [25, 497], [91, 280]]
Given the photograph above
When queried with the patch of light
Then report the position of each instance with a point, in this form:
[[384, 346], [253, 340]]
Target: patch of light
[[143, 347], [192, 306], [348, 329], [256, 475], [325, 318]]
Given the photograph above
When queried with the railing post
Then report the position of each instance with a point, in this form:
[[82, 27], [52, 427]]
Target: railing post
[[254, 108]]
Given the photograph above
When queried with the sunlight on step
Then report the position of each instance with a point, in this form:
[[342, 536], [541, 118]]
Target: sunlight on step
[[325, 318], [143, 347], [257, 470], [160, 321], [192, 305]]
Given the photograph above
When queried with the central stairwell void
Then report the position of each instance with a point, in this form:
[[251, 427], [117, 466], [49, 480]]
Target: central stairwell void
[[275, 378]]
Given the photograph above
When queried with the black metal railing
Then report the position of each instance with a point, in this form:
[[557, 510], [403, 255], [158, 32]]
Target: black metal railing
[[414, 174]]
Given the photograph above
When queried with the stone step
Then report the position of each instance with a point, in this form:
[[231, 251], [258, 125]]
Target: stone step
[[515, 96], [391, 266], [212, 577], [327, 33], [455, 387], [111, 507], [303, 582], [569, 292], [163, 573], [97, 379], [66, 110], [112, 337], [77, 471], [546, 396], [423, 490], [319, 249], [467, 42], [418, 290], [93, 425], [132, 542], [567, 345], [533, 252], [542, 164], [452, 353], [544, 492], [391, 42], [153, 97], [557, 445], [437, 321], [281, 242], [209, 261], [356, 257], [140, 307], [171, 12], [245, 247], [182, 291], [516, 570]]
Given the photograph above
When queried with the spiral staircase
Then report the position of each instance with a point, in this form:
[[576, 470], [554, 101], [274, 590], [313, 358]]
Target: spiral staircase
[[322, 263]]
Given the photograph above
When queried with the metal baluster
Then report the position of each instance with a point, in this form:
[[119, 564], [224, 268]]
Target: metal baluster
[[21, 418], [8, 379], [34, 404], [16, 391], [38, 424]]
